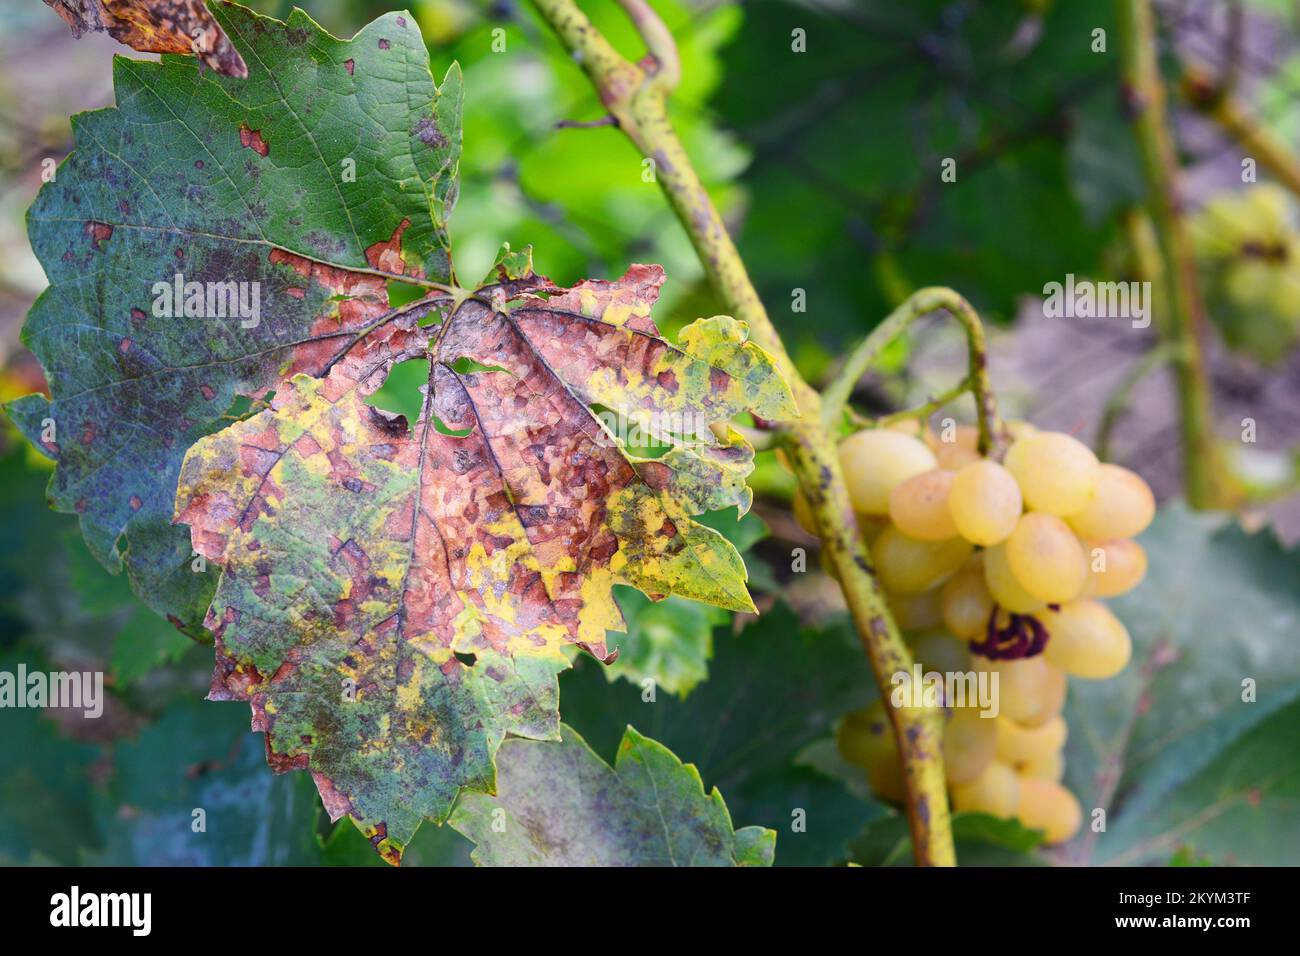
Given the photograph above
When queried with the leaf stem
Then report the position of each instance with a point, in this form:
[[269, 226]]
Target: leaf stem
[[638, 101], [920, 303]]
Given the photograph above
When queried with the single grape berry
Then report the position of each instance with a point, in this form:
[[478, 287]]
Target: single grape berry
[[919, 506], [877, 459], [1056, 472], [984, 502]]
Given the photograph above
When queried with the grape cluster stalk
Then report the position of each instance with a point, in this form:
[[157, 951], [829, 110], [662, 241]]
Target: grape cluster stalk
[[994, 568]]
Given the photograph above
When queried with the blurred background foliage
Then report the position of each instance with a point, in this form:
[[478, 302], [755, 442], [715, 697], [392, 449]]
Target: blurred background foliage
[[826, 163]]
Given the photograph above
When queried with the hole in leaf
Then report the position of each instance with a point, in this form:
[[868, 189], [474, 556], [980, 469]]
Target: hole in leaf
[[400, 393], [445, 429], [403, 293], [466, 365], [469, 660], [635, 439]]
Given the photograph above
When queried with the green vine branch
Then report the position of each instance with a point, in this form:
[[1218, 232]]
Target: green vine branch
[[1182, 322], [921, 303], [1216, 101], [636, 96]]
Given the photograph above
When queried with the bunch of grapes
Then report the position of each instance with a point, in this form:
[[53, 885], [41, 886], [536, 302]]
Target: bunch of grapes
[[1248, 254], [996, 568]]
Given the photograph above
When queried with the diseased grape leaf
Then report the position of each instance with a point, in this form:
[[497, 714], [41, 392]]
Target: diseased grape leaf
[[441, 570], [559, 804], [1169, 747], [156, 26], [329, 170]]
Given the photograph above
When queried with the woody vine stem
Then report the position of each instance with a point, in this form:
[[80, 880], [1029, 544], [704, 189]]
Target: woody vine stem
[[636, 98]]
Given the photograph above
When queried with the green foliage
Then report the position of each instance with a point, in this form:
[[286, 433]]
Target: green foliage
[[558, 804], [1198, 765], [773, 689]]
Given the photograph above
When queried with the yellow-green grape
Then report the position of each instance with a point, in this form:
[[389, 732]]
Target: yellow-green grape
[[877, 459], [908, 566], [937, 651], [1046, 805], [803, 513], [915, 612], [969, 742], [1007, 591], [1087, 640], [919, 506], [1023, 686], [1057, 473], [965, 603], [1018, 428], [1121, 507], [996, 790], [1019, 745], [1055, 687], [1115, 568], [960, 449], [1046, 558], [984, 502], [866, 739], [908, 426], [1051, 767]]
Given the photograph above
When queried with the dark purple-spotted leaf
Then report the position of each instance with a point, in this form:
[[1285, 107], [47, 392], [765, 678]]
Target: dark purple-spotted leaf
[[558, 804], [394, 601], [156, 26], [211, 237]]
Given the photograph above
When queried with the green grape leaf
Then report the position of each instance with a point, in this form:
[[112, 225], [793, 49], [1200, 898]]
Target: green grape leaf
[[776, 688], [980, 839], [559, 804], [669, 642], [197, 758], [278, 205], [1171, 748], [45, 786]]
